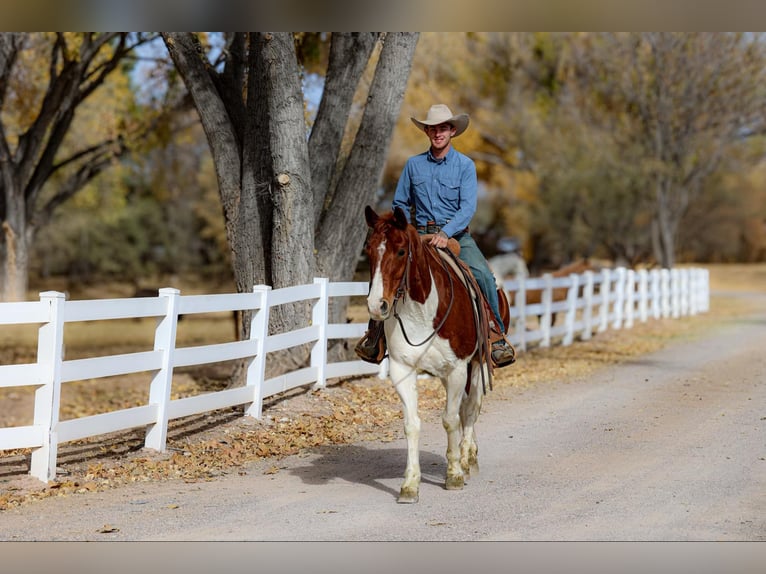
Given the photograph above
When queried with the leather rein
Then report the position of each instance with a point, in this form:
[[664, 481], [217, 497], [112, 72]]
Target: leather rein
[[404, 287]]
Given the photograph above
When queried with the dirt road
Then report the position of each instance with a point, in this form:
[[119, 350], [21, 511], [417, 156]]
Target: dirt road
[[668, 447]]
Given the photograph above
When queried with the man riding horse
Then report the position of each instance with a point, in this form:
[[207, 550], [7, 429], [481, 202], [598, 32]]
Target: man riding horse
[[441, 185]]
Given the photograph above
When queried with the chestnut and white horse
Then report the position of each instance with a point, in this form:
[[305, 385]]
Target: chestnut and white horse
[[431, 324]]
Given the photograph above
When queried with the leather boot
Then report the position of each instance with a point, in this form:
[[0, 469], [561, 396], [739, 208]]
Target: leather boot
[[372, 346]]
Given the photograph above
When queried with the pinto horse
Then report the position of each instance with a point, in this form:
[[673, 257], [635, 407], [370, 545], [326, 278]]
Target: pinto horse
[[431, 325]]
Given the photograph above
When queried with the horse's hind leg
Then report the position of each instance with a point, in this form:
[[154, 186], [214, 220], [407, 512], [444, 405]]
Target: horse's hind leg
[[469, 413], [455, 387], [405, 380]]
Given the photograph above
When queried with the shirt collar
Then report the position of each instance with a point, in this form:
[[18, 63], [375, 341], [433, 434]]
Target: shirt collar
[[430, 156]]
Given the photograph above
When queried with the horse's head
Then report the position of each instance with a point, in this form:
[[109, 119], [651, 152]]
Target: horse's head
[[389, 250]]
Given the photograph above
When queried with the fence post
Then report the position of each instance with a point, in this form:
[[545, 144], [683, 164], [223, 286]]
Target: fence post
[[50, 343], [320, 317], [259, 331], [675, 294], [705, 295], [545, 319], [643, 281], [605, 292], [619, 298], [587, 313], [654, 278], [684, 304], [383, 370], [159, 390], [520, 302], [665, 283], [572, 293], [693, 291], [630, 298]]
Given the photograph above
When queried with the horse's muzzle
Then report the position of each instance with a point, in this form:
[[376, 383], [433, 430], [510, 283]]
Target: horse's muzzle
[[380, 310]]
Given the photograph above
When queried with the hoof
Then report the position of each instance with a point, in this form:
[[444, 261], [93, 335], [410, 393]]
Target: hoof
[[470, 468], [455, 482], [407, 496]]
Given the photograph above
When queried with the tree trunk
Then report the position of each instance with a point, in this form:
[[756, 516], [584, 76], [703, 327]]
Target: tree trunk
[[292, 221], [275, 212], [666, 226], [286, 174], [16, 252], [349, 56], [342, 229]]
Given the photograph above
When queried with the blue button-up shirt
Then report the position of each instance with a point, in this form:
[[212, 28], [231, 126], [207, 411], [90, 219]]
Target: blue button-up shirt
[[443, 191]]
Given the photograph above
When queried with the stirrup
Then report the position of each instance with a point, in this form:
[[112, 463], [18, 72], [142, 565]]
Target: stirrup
[[503, 353], [372, 346]]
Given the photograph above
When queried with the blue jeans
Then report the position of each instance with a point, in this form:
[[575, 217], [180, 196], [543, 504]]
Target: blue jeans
[[473, 257]]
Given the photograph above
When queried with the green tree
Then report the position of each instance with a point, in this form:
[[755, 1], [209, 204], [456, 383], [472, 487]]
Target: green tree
[[147, 218], [676, 105], [44, 80]]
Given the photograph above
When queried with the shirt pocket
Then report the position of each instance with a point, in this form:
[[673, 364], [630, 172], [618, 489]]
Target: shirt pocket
[[450, 189], [420, 183]]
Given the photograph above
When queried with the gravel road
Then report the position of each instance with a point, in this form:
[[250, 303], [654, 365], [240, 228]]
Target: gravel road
[[671, 446]]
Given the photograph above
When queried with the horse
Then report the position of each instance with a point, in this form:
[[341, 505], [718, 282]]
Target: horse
[[431, 325], [507, 265]]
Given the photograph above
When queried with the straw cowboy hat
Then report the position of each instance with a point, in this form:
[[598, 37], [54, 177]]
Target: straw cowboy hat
[[441, 114]]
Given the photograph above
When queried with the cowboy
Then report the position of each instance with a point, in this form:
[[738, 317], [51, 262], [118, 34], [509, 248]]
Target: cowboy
[[441, 184]]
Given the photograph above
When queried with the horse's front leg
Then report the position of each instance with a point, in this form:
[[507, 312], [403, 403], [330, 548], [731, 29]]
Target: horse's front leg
[[405, 380], [454, 385]]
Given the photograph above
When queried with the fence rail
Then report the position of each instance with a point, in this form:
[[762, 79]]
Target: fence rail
[[594, 302]]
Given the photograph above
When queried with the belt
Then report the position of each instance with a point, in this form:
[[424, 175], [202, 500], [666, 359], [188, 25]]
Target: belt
[[431, 227]]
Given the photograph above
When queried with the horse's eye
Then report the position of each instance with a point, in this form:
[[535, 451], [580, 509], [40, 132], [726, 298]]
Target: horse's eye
[[401, 253]]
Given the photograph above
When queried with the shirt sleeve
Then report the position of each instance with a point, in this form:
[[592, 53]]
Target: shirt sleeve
[[468, 196], [403, 195]]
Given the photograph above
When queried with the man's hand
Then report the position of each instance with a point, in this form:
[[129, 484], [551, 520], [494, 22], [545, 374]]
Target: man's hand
[[439, 240]]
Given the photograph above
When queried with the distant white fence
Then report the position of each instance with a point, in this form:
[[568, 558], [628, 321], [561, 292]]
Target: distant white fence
[[609, 299]]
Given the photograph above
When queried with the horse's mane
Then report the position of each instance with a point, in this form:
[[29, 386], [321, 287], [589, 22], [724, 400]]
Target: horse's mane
[[389, 221]]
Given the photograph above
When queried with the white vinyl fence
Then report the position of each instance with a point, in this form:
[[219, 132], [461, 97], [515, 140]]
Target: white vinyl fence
[[613, 299]]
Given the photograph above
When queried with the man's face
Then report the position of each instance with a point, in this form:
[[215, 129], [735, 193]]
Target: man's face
[[440, 135]]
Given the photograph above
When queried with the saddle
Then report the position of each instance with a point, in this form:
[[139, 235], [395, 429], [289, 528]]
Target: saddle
[[452, 244], [486, 335]]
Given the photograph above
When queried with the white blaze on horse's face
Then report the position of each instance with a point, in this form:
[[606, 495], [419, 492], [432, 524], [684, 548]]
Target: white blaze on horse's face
[[377, 307]]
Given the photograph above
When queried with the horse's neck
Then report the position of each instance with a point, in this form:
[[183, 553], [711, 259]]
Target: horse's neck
[[419, 280]]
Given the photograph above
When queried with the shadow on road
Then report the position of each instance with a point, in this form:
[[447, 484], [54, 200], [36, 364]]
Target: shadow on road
[[372, 467]]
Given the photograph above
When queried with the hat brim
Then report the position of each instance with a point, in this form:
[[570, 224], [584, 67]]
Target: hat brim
[[460, 122]]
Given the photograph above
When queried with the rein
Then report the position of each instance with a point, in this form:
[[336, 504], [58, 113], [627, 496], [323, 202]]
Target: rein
[[404, 287]]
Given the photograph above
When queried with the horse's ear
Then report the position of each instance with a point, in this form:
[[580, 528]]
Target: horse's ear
[[370, 216], [400, 219]]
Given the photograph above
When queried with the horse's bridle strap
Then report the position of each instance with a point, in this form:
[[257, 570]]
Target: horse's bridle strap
[[404, 287]]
